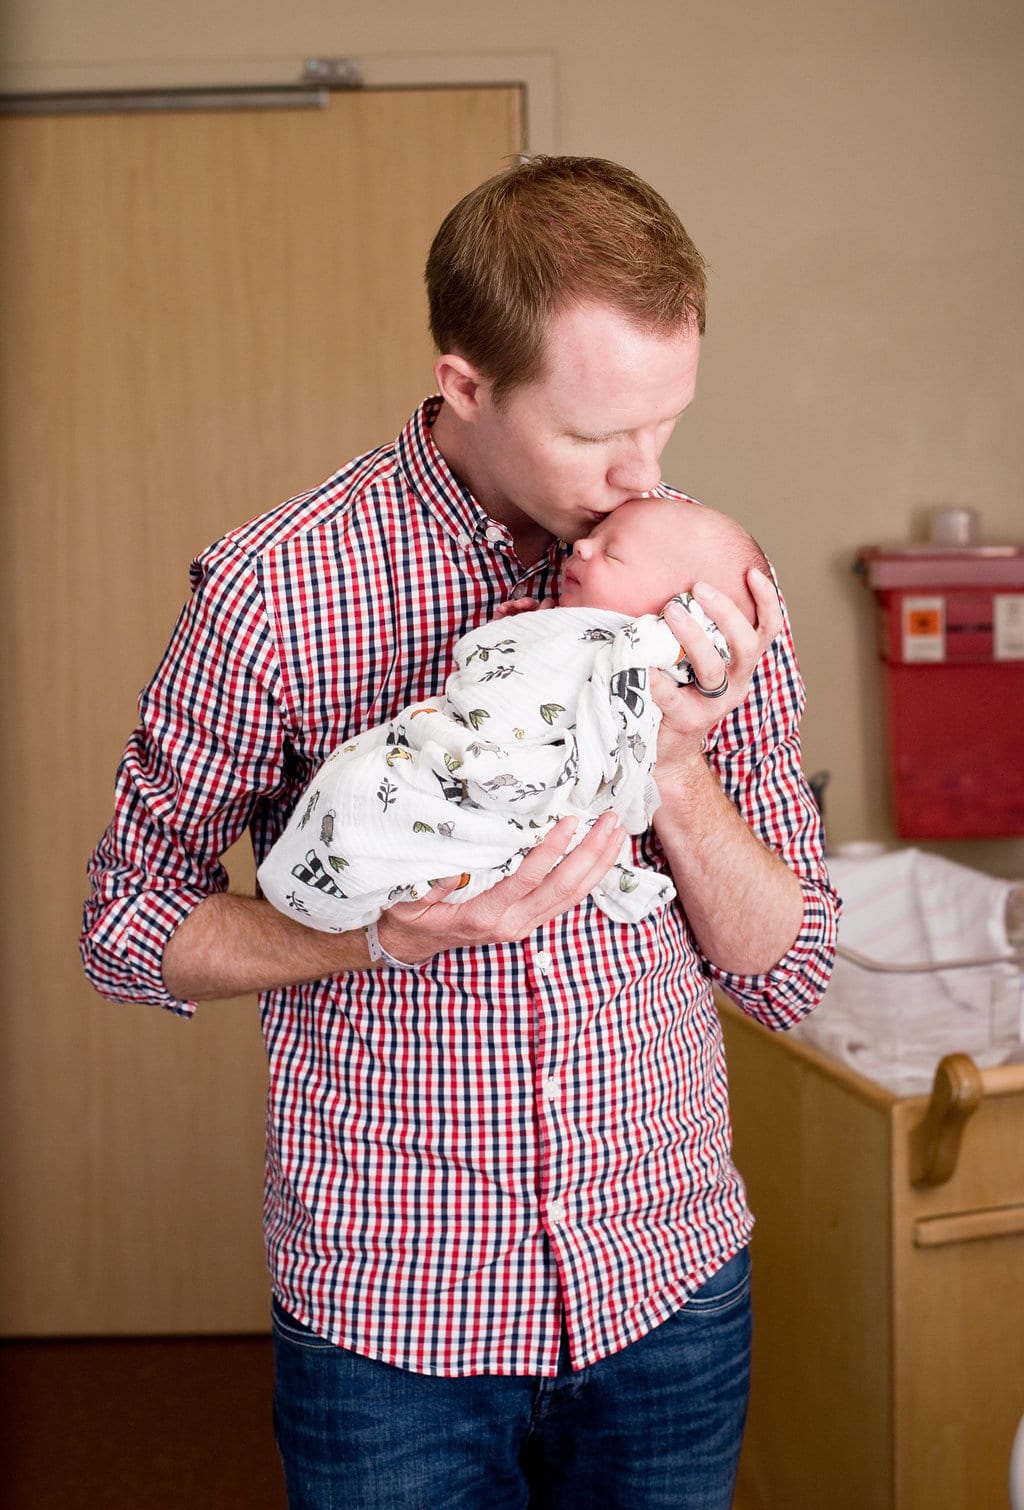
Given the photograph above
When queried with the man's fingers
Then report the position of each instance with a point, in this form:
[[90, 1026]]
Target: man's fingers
[[555, 875], [566, 881], [766, 599], [747, 644], [552, 878], [439, 889]]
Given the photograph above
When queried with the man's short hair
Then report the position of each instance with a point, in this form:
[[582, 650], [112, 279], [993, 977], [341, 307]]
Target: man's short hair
[[546, 234]]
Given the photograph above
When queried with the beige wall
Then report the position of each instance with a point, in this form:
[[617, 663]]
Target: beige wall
[[851, 171]]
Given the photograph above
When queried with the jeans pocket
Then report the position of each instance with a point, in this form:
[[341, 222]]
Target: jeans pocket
[[288, 1329], [729, 1286]]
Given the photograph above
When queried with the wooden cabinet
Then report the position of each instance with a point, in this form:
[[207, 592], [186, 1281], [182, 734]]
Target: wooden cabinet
[[888, 1280]]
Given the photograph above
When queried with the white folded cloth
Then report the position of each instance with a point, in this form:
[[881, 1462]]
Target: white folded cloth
[[907, 906]]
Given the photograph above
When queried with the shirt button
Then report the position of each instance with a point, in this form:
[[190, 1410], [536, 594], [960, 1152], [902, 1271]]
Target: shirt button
[[556, 1211], [544, 961], [522, 591], [464, 541], [494, 533], [551, 1089]]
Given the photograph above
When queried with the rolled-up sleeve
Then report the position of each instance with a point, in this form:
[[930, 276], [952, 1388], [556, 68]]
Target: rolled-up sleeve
[[785, 994], [208, 748], [756, 753]]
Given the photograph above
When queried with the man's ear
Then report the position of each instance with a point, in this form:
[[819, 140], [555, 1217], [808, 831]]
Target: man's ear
[[459, 383]]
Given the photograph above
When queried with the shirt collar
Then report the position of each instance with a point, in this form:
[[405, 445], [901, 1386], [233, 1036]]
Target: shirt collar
[[433, 481]]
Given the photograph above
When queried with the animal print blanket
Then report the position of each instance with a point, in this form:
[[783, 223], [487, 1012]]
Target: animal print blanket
[[545, 714]]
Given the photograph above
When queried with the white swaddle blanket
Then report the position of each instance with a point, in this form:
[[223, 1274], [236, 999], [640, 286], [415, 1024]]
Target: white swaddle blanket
[[546, 714]]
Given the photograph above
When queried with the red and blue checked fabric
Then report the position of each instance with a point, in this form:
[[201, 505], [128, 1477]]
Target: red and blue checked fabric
[[457, 1155]]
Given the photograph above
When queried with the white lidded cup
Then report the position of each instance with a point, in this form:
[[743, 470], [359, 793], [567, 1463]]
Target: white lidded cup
[[953, 525]]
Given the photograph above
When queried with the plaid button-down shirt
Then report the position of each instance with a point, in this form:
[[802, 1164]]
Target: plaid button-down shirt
[[460, 1154]]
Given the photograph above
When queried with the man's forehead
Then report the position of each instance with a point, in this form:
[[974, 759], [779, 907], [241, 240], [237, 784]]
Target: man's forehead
[[600, 369]]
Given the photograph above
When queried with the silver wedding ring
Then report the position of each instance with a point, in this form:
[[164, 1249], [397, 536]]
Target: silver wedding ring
[[719, 691]]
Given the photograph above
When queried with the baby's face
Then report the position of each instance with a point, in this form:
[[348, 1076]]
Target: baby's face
[[626, 563]]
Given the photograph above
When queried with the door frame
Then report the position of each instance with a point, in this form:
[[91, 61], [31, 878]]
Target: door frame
[[533, 72]]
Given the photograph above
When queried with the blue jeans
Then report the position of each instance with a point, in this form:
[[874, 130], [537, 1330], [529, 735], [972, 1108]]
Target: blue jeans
[[654, 1426]]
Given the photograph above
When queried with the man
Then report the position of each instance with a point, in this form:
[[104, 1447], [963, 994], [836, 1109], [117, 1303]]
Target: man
[[507, 1241]]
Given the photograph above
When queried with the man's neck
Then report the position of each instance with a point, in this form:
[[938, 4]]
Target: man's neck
[[531, 540]]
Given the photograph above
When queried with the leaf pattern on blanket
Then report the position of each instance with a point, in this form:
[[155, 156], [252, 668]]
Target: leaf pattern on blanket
[[549, 711], [484, 652]]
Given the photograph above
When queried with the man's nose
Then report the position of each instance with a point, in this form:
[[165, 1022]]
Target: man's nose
[[638, 466]]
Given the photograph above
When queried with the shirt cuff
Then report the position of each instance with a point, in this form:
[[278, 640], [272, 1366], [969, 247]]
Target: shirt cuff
[[780, 997], [123, 947]]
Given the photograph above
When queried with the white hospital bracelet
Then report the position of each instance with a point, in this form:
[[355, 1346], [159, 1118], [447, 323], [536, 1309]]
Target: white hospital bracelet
[[378, 954]]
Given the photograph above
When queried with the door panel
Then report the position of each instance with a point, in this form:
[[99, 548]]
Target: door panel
[[204, 313]]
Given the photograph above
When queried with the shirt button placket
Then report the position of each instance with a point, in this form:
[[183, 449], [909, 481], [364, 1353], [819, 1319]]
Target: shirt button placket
[[544, 961]]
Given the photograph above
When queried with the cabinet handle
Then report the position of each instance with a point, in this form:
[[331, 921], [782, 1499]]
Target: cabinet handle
[[935, 1144], [965, 1226], [958, 1088]]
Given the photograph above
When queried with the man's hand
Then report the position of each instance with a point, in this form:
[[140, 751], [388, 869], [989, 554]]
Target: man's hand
[[544, 886], [742, 902], [687, 716]]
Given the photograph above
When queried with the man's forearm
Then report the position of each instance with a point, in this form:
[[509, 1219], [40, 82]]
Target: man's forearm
[[231, 945], [744, 904]]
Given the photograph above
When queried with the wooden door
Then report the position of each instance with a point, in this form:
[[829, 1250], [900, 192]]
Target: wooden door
[[203, 313]]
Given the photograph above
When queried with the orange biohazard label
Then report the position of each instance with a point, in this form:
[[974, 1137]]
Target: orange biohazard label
[[924, 621], [924, 629]]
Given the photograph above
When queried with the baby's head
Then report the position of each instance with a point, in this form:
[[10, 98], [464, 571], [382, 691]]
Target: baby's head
[[649, 549]]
